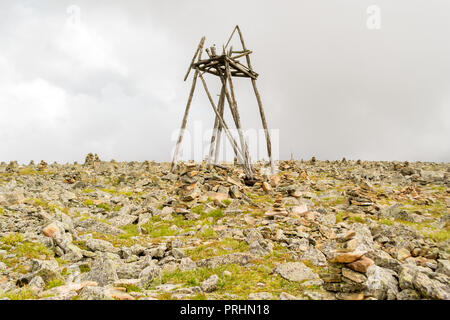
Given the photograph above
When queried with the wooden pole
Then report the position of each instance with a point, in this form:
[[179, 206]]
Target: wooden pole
[[216, 126], [199, 49], [188, 105], [219, 135], [261, 109], [237, 119], [183, 123], [231, 36]]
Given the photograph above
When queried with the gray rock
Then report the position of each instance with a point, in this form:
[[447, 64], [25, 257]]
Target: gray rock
[[443, 267], [101, 245], [94, 293], [295, 271], [232, 258], [260, 296], [37, 284], [314, 256], [148, 274], [92, 225], [431, 288], [103, 271], [178, 253], [123, 220], [408, 294], [187, 264], [128, 270], [287, 296], [381, 283], [210, 284]]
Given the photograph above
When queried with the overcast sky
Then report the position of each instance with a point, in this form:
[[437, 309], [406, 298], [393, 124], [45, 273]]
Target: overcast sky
[[107, 76]]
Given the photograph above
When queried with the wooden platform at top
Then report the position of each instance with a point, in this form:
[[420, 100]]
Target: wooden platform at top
[[216, 65]]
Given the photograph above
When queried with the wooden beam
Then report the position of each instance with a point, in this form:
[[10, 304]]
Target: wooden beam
[[261, 109], [188, 106], [237, 119], [183, 123], [199, 48], [216, 126]]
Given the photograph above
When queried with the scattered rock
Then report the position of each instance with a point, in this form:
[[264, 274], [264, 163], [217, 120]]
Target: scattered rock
[[295, 271]]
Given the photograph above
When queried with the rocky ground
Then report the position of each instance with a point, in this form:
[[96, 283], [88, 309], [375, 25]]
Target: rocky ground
[[315, 230]]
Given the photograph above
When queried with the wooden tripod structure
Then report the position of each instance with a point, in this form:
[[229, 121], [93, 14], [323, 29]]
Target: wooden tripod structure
[[225, 66]]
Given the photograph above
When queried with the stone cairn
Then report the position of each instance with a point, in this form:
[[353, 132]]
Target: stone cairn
[[91, 160], [42, 166]]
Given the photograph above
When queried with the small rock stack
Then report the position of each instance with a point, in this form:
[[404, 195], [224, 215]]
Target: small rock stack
[[42, 166], [347, 274], [91, 160], [278, 211], [189, 179], [12, 167]]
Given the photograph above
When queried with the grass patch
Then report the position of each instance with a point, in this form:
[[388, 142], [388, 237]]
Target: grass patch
[[19, 294], [12, 239], [386, 222], [438, 236], [131, 230], [88, 202], [208, 233], [241, 283], [131, 288], [217, 248], [54, 283], [356, 218], [104, 206], [84, 268], [26, 172], [33, 250]]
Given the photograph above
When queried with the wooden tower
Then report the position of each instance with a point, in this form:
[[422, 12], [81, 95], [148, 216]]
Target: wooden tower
[[225, 67]]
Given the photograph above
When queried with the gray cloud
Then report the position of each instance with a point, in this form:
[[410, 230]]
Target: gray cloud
[[113, 85]]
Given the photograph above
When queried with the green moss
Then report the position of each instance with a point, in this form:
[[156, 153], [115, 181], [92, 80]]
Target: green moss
[[88, 190], [54, 283], [339, 217], [131, 288], [19, 294], [88, 202], [159, 230], [438, 236], [26, 172], [356, 218], [198, 210], [84, 268], [216, 214], [81, 244], [208, 233], [226, 202], [386, 222], [198, 296], [12, 239], [104, 206], [131, 230], [242, 281], [33, 250], [217, 248]]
